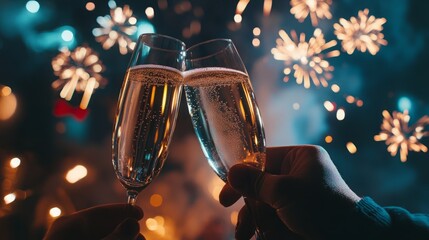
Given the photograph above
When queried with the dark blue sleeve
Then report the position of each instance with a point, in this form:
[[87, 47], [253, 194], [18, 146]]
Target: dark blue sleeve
[[376, 222]]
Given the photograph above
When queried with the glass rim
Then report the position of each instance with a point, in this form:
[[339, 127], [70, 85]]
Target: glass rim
[[151, 45], [226, 40]]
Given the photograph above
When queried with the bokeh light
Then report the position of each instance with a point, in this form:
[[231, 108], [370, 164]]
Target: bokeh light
[[145, 27], [351, 147], [350, 99], [9, 198], [8, 103], [162, 4], [15, 162], [156, 200], [5, 91], [234, 217], [256, 42], [112, 4], [151, 224], [150, 13], [132, 20], [160, 220], [55, 212], [341, 114], [335, 88], [67, 35], [404, 103], [329, 106], [75, 174], [157, 224], [359, 103], [329, 139], [90, 6], [215, 187], [256, 31], [32, 6], [296, 106], [238, 18]]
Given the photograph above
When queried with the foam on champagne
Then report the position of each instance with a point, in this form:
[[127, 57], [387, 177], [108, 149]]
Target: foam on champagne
[[205, 76], [152, 73]]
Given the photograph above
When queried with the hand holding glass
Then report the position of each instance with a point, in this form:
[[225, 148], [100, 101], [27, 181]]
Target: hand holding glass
[[223, 108]]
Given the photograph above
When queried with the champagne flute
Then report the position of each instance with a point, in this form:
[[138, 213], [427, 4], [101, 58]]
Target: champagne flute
[[223, 109], [147, 110]]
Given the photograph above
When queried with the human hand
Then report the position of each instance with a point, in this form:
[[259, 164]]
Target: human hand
[[107, 222], [300, 188]]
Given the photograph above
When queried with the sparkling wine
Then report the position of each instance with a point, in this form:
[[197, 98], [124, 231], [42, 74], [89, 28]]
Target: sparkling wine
[[225, 117], [148, 108]]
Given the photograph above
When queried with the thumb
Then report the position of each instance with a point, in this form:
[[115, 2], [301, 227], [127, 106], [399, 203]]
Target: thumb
[[252, 182], [127, 230]]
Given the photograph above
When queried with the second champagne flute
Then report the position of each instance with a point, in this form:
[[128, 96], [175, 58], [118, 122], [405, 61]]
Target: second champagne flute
[[223, 108], [147, 111]]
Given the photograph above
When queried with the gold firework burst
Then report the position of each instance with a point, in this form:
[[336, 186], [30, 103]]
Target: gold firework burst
[[242, 4], [118, 28], [317, 9], [362, 33], [399, 136], [306, 60], [79, 71]]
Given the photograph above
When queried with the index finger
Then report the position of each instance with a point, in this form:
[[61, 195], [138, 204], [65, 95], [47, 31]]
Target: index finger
[[98, 221], [111, 211]]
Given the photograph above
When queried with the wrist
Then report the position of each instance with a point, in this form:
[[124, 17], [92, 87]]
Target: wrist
[[366, 220]]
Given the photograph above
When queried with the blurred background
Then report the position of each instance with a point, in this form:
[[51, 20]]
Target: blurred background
[[324, 72]]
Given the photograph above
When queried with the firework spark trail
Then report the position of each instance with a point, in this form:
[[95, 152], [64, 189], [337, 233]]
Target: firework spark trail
[[401, 137], [317, 9], [242, 4], [361, 33], [118, 28], [305, 59], [79, 71]]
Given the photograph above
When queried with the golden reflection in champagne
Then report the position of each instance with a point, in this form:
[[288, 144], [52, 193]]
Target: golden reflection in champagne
[[146, 121]]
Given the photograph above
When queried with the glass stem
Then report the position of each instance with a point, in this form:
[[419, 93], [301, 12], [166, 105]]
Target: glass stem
[[132, 196], [251, 205]]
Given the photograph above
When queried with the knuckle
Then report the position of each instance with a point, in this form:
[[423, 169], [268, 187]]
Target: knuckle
[[316, 150]]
